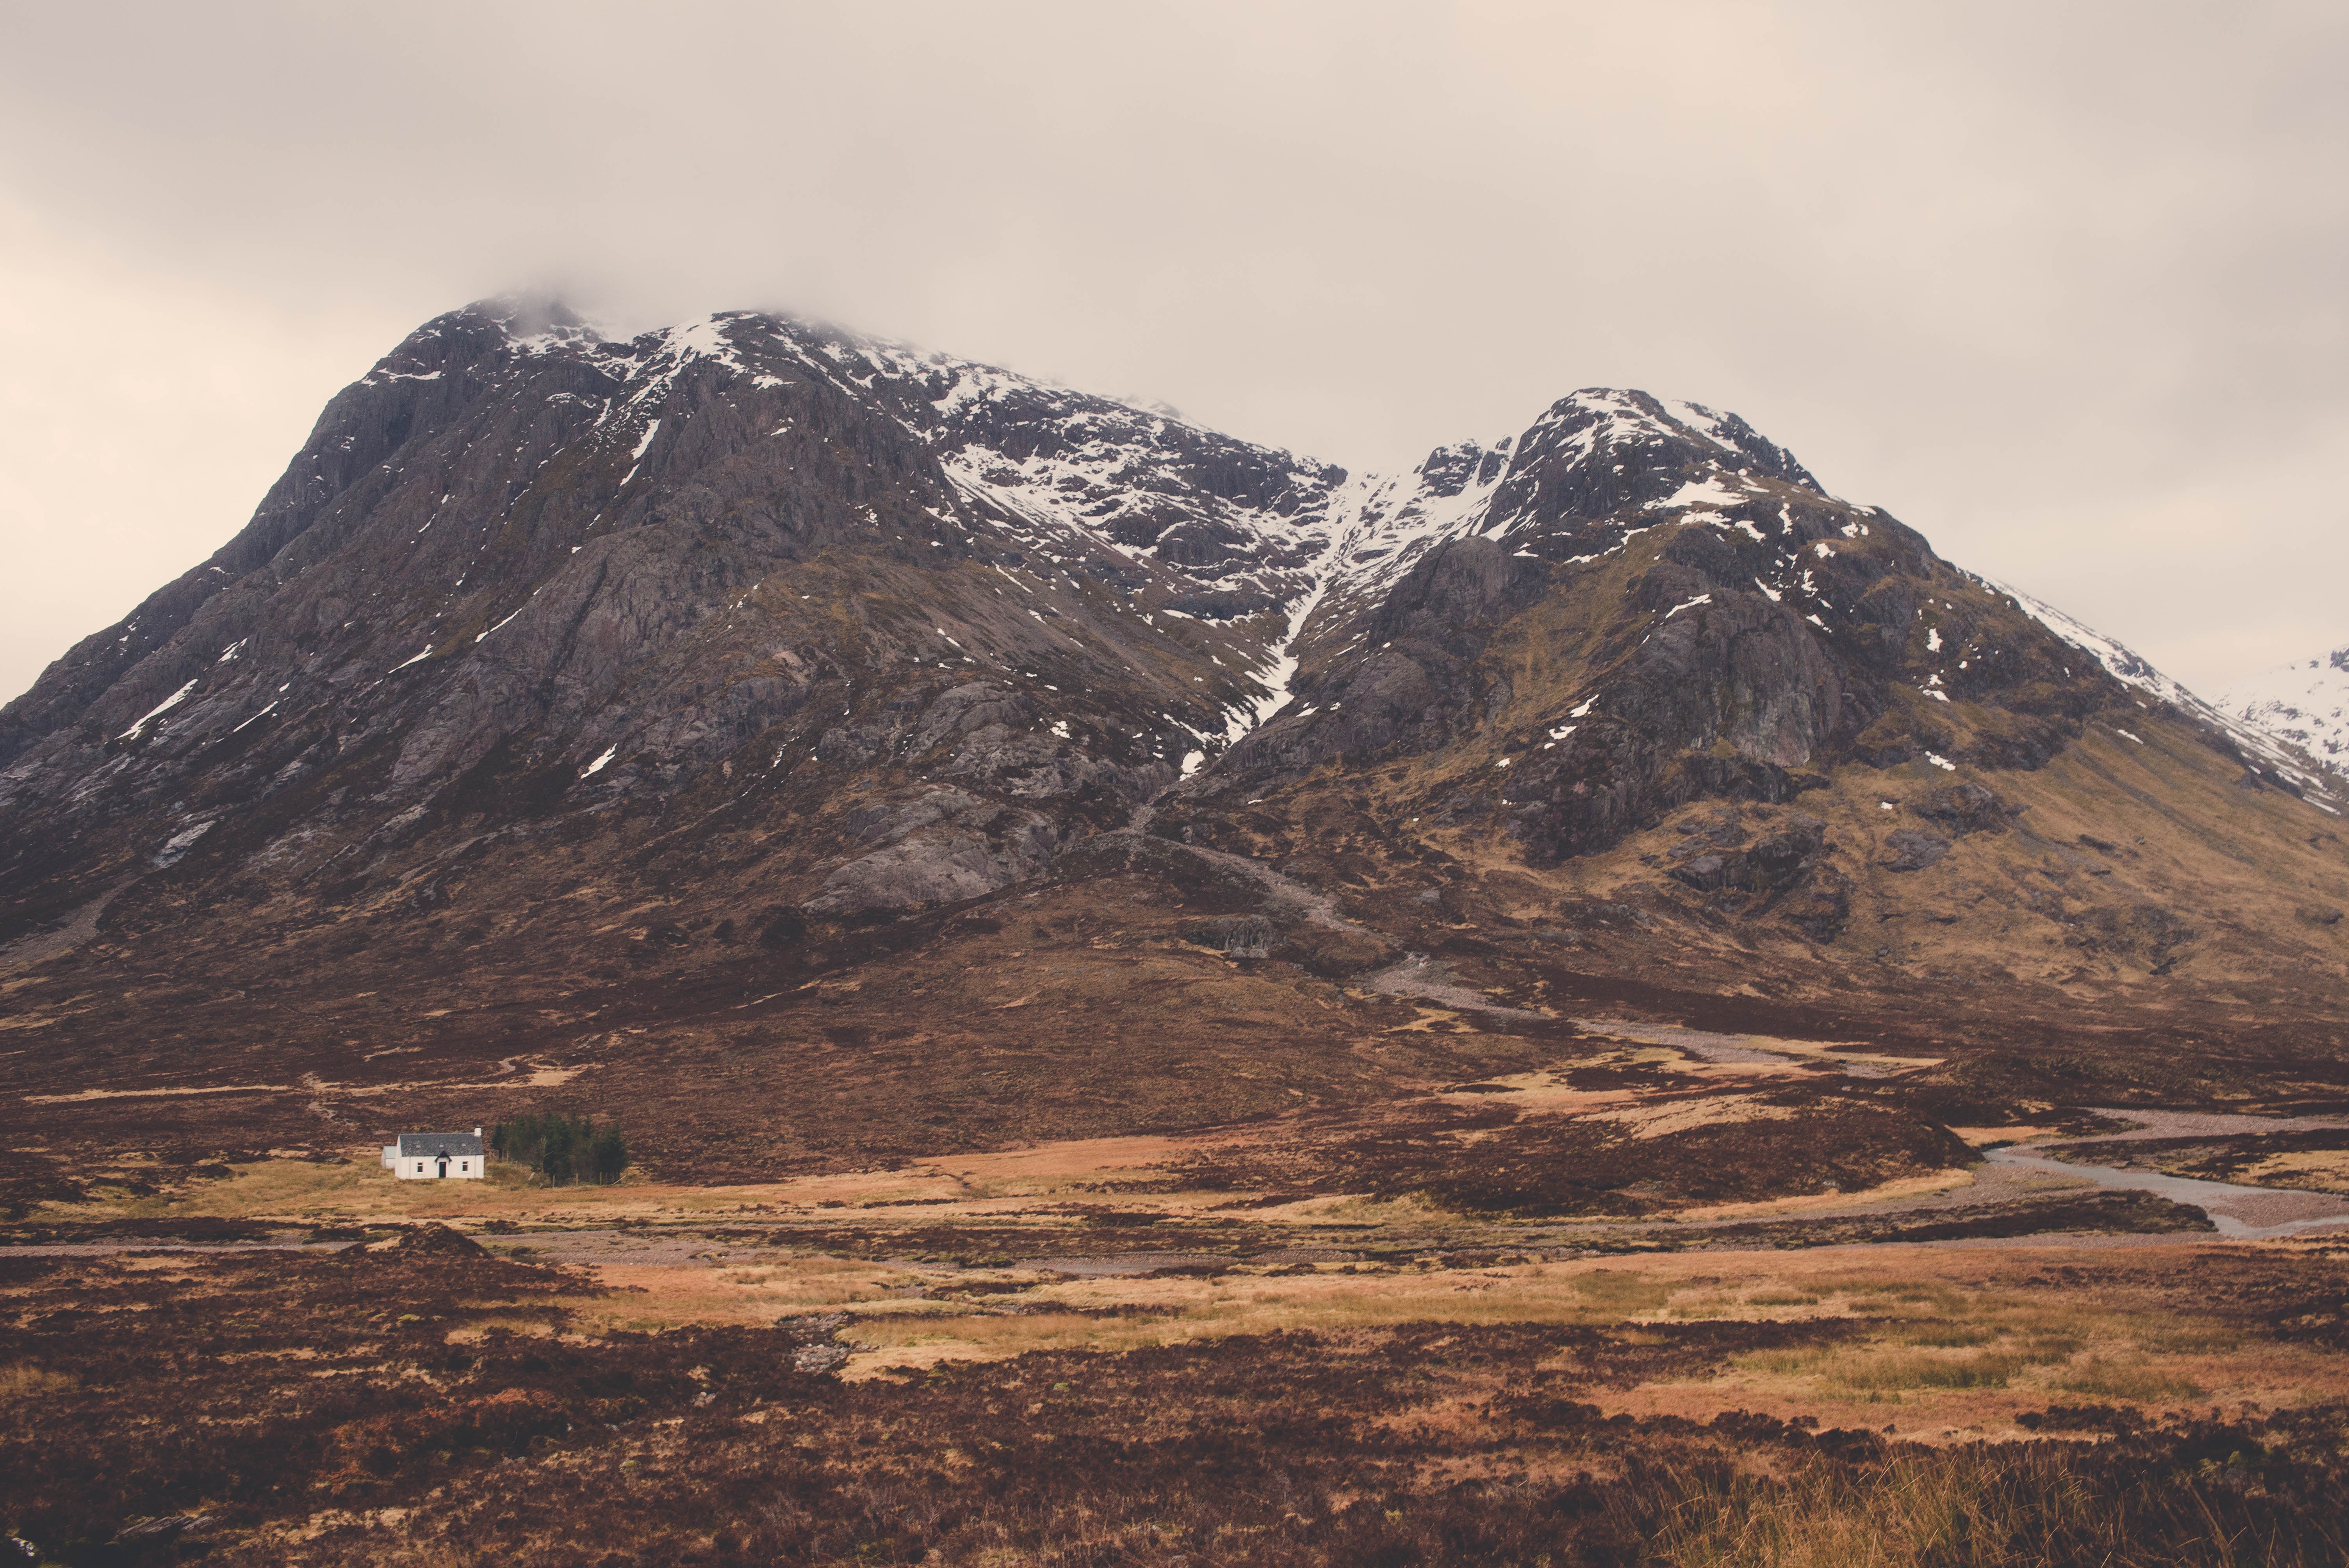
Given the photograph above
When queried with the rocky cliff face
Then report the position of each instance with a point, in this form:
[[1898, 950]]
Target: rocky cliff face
[[563, 679]]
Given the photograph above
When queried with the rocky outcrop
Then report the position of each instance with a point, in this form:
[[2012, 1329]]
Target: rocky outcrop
[[944, 847], [1967, 807], [1777, 867], [1772, 862], [1911, 850]]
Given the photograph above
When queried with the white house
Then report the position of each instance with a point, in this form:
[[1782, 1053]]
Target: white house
[[437, 1157]]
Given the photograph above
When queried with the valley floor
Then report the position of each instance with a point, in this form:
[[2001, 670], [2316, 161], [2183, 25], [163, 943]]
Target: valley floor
[[1090, 1352]]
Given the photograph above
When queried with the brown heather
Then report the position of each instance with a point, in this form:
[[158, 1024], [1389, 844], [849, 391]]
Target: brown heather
[[427, 1401]]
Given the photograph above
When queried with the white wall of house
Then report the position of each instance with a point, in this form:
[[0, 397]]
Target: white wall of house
[[453, 1168]]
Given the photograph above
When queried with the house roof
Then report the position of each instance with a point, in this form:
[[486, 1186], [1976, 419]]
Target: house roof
[[425, 1145]]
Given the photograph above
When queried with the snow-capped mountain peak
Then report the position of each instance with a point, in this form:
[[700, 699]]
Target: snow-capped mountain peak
[[2305, 703]]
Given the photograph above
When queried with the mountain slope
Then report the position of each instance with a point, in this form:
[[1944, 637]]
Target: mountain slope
[[2281, 746], [929, 757]]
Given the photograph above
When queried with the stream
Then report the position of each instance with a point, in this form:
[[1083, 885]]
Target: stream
[[2242, 1213]]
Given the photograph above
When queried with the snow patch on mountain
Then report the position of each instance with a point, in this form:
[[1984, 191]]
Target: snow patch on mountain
[[1283, 654], [160, 708], [1382, 524], [1709, 491]]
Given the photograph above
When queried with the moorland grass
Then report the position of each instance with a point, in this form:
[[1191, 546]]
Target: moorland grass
[[1885, 1371], [24, 1380], [2102, 1379], [1973, 1508], [424, 1394], [1992, 1341]]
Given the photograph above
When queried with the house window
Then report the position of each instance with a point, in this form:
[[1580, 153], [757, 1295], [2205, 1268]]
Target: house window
[[463, 1166], [419, 1168]]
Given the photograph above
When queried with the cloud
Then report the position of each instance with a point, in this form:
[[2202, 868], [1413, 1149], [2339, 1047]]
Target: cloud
[[2058, 285]]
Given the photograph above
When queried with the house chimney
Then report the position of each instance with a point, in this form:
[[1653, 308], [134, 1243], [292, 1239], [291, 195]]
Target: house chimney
[[477, 1132]]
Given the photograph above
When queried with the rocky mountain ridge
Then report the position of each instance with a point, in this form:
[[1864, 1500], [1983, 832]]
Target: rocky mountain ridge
[[704, 678], [2280, 744]]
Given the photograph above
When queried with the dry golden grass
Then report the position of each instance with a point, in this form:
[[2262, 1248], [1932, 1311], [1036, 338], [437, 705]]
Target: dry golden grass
[[2141, 1381], [1795, 1052], [474, 1332], [1983, 1510], [1885, 1192], [1954, 1353], [667, 1295], [1961, 1351], [912, 1344], [2016, 1133], [1175, 1310], [2311, 1171], [975, 1186], [23, 1380], [1884, 1370], [2192, 1337], [1934, 1339]]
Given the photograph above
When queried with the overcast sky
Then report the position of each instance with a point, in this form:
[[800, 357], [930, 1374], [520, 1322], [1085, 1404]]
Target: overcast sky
[[2060, 285]]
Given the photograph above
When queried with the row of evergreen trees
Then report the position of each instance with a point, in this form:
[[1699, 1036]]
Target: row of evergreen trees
[[563, 1149]]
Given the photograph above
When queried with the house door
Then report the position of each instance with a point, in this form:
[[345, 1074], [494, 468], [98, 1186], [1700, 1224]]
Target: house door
[[444, 1166]]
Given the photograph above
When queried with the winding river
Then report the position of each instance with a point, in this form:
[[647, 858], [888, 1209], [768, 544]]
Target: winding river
[[2243, 1214]]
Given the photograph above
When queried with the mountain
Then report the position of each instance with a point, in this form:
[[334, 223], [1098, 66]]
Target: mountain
[[827, 749]]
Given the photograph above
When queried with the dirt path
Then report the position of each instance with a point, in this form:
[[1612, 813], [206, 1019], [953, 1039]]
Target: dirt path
[[1285, 897], [104, 1249], [1432, 980], [1290, 902]]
